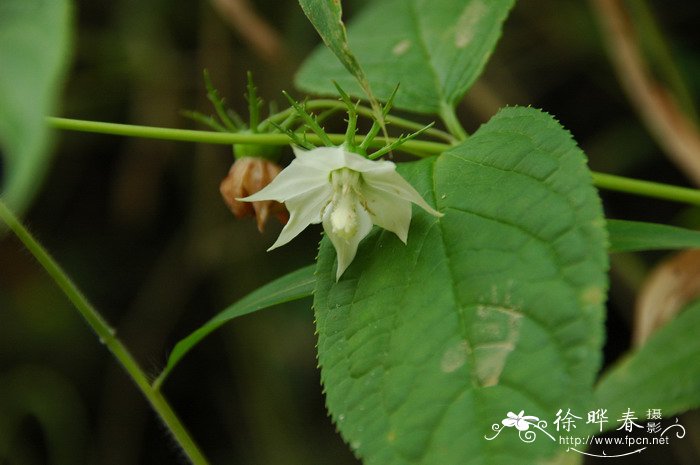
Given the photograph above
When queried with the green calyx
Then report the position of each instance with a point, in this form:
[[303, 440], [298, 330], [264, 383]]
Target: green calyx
[[268, 152]]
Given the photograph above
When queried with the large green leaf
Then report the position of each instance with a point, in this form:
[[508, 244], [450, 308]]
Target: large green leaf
[[434, 48], [293, 286], [663, 374], [495, 307], [631, 236], [34, 49]]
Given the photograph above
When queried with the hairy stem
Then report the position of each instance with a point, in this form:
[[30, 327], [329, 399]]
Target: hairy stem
[[417, 147], [106, 335]]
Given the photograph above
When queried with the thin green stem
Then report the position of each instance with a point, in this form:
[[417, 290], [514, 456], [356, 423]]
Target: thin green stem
[[106, 335], [351, 109], [205, 120], [309, 119], [218, 102], [449, 117], [419, 148], [647, 188], [376, 125], [397, 143], [415, 147], [254, 104]]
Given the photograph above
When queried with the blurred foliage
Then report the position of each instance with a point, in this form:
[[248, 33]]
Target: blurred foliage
[[141, 228]]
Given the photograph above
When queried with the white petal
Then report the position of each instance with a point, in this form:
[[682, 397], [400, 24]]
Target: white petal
[[304, 209], [388, 211], [365, 165], [393, 183], [347, 248], [522, 425], [296, 179], [309, 170], [333, 158], [509, 422], [322, 158]]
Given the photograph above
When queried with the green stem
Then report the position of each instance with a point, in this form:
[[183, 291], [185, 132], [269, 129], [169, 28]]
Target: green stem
[[647, 188], [449, 117], [106, 335], [254, 104], [416, 147]]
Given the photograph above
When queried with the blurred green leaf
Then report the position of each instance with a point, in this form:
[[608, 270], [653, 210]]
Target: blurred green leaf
[[34, 51], [293, 286], [663, 374], [47, 397], [495, 307], [435, 49], [632, 236]]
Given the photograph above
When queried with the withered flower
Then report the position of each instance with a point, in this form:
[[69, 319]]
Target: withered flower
[[247, 176]]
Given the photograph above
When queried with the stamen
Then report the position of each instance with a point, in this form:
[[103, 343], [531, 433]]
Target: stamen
[[343, 214]]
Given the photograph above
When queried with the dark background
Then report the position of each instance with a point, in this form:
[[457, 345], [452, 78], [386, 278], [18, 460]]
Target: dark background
[[141, 228]]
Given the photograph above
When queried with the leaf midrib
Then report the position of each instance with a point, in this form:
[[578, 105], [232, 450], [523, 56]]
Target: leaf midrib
[[424, 50]]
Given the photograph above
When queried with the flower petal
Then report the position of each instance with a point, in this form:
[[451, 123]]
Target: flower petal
[[392, 183], [388, 211], [509, 422], [365, 165], [522, 425], [296, 179], [323, 158], [347, 248], [304, 209]]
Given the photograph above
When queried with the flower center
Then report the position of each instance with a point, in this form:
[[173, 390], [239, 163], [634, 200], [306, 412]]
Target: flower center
[[343, 213]]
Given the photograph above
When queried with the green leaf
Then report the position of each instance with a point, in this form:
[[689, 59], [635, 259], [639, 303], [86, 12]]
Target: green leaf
[[35, 42], [495, 307], [632, 236], [434, 48], [327, 18], [53, 404], [663, 374], [293, 286]]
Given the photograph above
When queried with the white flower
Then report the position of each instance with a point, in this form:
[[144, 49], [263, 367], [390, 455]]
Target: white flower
[[345, 191], [521, 421]]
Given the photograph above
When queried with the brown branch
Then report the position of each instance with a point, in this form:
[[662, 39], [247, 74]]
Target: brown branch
[[674, 131], [260, 35]]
